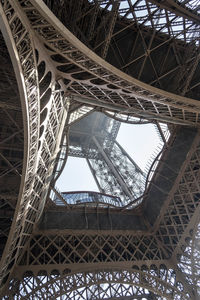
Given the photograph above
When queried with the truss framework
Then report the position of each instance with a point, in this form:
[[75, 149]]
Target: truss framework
[[107, 284], [43, 118], [116, 173], [145, 27], [113, 169], [99, 82], [50, 60], [51, 250], [11, 144]]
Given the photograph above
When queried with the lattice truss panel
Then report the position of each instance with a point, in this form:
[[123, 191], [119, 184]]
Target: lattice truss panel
[[11, 143], [89, 76], [88, 148], [78, 111], [183, 204], [101, 84], [154, 282], [66, 249], [126, 118], [50, 250], [116, 173], [154, 41], [43, 103], [188, 256]]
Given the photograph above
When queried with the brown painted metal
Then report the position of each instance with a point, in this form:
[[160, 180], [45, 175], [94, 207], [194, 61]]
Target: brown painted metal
[[53, 68]]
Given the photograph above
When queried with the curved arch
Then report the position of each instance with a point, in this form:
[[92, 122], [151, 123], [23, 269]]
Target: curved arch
[[99, 285], [62, 156], [139, 98], [31, 130], [181, 9], [41, 154], [125, 118]]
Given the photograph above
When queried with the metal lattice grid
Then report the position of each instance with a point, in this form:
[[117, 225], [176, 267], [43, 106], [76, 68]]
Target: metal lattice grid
[[62, 64]]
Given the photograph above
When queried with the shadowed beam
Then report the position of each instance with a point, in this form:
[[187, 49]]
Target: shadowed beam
[[178, 8]]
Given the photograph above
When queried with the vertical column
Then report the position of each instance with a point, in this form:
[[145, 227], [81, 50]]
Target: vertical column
[[115, 172]]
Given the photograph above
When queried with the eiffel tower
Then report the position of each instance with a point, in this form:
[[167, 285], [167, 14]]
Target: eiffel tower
[[71, 71]]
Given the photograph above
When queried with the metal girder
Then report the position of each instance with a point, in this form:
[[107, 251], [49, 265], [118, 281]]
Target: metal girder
[[92, 77], [78, 113], [10, 165], [103, 285], [179, 8], [61, 63], [42, 102], [11, 144], [188, 253], [190, 73], [9, 106], [161, 31], [148, 253], [109, 32], [116, 173], [130, 113]]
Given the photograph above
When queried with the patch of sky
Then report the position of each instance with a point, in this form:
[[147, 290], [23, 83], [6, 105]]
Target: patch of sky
[[139, 141], [176, 24]]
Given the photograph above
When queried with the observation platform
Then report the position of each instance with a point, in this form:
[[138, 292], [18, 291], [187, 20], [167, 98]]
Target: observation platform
[[87, 197], [89, 210]]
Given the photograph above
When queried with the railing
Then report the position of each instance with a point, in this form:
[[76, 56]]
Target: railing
[[162, 131], [152, 164], [82, 198], [126, 118], [62, 156], [95, 198], [153, 168]]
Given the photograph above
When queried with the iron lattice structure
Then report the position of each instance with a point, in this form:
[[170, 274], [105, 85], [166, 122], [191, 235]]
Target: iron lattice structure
[[94, 138], [136, 61]]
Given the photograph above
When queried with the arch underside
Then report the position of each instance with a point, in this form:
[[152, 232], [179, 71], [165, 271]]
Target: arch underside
[[11, 142], [44, 118], [145, 39], [104, 284], [91, 79], [53, 64]]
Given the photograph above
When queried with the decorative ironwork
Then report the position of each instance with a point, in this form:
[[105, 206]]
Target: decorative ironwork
[[139, 283], [100, 83], [43, 118], [116, 173], [85, 198], [144, 45]]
